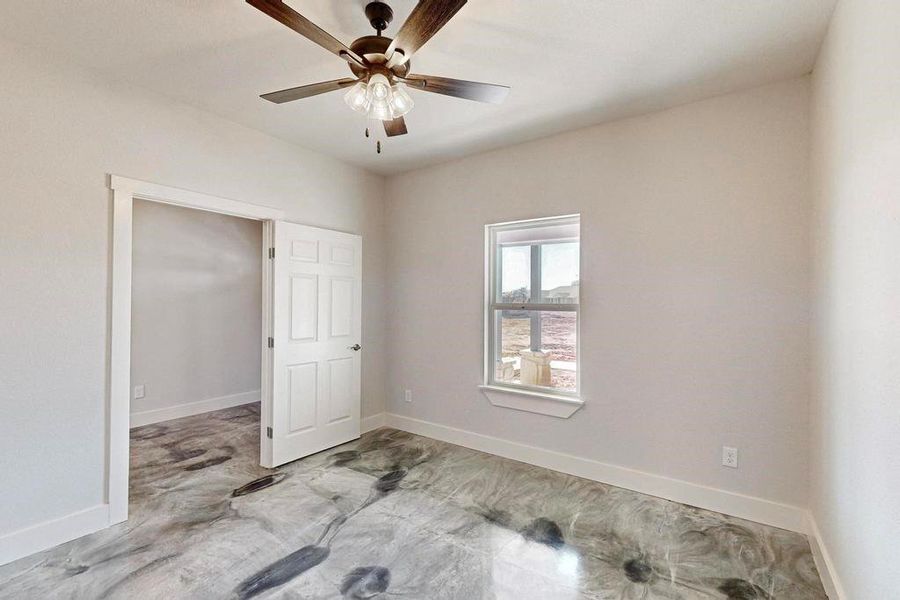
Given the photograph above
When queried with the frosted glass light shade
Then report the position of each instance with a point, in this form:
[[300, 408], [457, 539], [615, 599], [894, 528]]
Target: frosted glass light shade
[[380, 110], [379, 87], [357, 98], [401, 102]]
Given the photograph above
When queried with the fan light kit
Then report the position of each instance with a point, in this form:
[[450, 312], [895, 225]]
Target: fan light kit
[[381, 65], [379, 99]]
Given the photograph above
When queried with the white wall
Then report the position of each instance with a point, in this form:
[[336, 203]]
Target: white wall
[[856, 407], [695, 288], [196, 325], [62, 130]]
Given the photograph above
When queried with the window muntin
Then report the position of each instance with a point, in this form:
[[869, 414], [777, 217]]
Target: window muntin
[[532, 313]]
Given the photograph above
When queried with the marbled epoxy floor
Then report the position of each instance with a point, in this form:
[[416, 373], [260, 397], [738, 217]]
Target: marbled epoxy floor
[[394, 515]]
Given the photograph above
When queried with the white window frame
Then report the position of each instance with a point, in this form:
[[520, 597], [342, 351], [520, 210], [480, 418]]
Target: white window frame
[[558, 403]]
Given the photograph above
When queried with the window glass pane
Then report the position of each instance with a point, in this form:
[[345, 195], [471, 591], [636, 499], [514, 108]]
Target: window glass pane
[[559, 273], [558, 277], [536, 348], [515, 274]]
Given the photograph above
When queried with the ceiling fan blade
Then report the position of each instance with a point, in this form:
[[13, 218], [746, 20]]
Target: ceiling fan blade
[[395, 127], [423, 22], [286, 15], [459, 88], [305, 91]]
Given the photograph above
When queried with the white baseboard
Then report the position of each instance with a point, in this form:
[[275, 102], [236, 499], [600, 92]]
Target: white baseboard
[[190, 409], [824, 562], [784, 516], [371, 423], [21, 543]]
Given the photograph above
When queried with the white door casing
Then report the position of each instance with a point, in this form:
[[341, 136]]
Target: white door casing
[[125, 191], [316, 330]]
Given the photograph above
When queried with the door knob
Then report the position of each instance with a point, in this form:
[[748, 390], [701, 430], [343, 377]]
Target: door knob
[[355, 347]]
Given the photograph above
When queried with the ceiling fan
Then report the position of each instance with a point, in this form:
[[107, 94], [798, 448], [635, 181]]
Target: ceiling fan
[[381, 65]]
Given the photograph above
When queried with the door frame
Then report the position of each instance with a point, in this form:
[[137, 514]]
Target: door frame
[[125, 191]]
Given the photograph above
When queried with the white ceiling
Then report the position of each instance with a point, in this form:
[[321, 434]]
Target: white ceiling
[[570, 63]]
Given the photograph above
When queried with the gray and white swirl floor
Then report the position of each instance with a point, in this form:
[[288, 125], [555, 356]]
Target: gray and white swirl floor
[[394, 515]]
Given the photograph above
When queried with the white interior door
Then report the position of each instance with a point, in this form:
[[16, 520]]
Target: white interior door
[[315, 353]]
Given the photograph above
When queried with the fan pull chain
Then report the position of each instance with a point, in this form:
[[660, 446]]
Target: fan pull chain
[[378, 147]]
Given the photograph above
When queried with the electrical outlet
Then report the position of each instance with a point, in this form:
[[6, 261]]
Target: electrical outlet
[[407, 395], [138, 391], [729, 457]]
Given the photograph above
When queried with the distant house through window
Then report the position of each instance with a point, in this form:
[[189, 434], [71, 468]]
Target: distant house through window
[[532, 305]]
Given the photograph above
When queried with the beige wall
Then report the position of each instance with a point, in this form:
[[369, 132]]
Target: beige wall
[[695, 277], [62, 130], [856, 408], [196, 287]]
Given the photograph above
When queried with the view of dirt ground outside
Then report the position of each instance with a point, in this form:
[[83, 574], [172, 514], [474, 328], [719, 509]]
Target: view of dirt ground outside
[[558, 338]]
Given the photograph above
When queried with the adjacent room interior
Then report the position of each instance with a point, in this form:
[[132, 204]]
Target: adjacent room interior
[[447, 300], [196, 326], [196, 311]]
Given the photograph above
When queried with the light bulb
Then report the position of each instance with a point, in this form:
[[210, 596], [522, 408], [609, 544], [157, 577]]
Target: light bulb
[[380, 87], [379, 91], [401, 102], [357, 98]]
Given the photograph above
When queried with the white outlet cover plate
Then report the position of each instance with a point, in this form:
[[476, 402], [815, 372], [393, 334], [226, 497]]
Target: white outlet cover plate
[[730, 457]]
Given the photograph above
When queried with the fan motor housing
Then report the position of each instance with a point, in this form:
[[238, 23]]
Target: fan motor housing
[[372, 49]]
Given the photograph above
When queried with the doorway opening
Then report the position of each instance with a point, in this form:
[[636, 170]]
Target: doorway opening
[[308, 340], [196, 326], [165, 242]]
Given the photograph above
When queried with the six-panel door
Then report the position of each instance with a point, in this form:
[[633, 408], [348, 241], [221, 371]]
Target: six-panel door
[[316, 320]]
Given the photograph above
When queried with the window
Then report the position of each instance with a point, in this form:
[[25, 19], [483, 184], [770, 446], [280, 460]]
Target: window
[[532, 305]]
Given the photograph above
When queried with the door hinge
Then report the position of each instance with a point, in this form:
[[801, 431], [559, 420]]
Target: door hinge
[[269, 432], [271, 342], [271, 252]]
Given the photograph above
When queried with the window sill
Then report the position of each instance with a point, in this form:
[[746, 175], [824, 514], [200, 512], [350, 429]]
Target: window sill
[[552, 405]]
